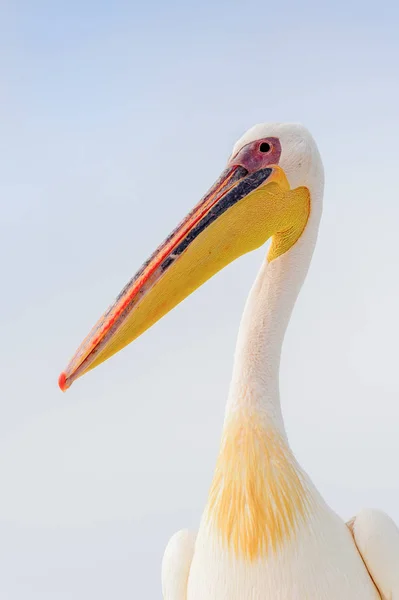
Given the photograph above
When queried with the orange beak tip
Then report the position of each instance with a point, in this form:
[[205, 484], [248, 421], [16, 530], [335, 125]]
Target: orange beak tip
[[62, 382]]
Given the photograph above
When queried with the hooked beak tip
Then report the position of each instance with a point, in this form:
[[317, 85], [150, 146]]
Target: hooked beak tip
[[62, 382]]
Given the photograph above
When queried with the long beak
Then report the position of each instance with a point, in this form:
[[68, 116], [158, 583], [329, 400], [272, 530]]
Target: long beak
[[227, 222]]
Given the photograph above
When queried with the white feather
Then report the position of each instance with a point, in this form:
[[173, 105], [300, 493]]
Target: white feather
[[322, 561]]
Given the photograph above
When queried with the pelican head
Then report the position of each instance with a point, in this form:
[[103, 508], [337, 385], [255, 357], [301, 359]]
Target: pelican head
[[262, 193]]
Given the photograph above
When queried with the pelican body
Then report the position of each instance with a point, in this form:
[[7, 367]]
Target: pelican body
[[266, 533]]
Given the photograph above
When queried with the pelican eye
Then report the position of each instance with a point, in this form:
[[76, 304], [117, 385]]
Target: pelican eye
[[264, 147]]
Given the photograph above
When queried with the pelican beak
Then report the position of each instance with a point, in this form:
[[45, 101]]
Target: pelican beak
[[238, 214]]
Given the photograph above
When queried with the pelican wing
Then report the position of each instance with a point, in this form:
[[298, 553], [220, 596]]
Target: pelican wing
[[176, 565], [377, 539]]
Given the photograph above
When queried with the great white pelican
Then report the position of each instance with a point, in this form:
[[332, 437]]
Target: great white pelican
[[266, 533]]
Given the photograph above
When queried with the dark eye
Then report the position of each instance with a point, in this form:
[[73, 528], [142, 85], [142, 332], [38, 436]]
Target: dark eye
[[264, 147]]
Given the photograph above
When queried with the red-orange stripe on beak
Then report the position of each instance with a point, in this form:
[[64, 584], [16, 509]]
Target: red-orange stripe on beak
[[145, 278]]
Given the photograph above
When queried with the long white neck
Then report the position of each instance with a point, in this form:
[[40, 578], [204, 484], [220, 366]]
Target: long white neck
[[255, 380]]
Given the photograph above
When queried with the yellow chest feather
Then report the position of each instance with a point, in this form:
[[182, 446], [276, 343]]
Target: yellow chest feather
[[258, 497]]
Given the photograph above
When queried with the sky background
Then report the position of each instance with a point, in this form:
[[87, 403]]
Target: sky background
[[115, 118]]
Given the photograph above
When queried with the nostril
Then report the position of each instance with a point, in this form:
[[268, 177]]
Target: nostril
[[264, 147], [240, 173]]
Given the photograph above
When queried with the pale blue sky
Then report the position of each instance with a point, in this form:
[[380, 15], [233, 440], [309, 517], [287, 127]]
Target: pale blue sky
[[114, 119]]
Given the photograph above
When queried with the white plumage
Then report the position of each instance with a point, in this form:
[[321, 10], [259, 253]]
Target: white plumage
[[322, 560]]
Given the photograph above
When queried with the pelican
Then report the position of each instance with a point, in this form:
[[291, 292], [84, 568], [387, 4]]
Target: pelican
[[266, 533]]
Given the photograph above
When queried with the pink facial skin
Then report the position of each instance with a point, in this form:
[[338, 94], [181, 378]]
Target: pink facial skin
[[258, 155]]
